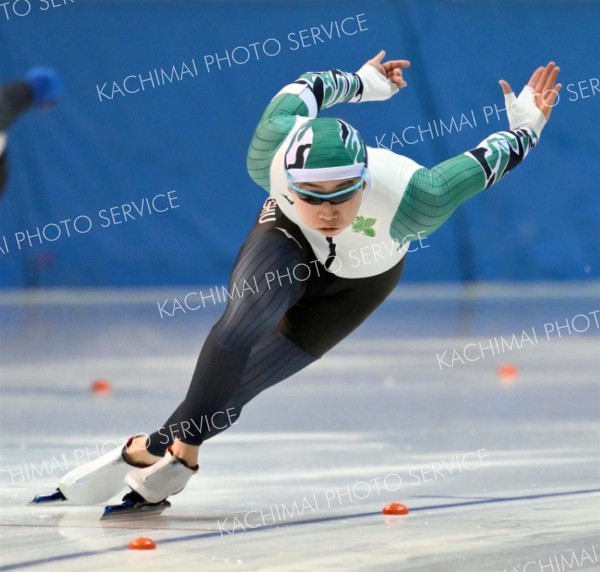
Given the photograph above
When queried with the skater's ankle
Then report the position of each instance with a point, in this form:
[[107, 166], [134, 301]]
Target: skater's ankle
[[186, 453], [136, 453]]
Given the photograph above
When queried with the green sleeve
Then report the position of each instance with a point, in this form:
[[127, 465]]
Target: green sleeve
[[324, 90], [432, 195]]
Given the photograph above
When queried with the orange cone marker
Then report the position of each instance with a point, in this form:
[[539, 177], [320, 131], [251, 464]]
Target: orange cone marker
[[142, 543], [102, 387], [395, 508], [508, 373]]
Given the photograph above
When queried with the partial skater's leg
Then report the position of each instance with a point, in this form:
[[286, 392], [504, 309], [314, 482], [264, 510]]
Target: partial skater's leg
[[15, 98], [309, 326], [272, 360], [3, 163], [258, 302], [326, 315]]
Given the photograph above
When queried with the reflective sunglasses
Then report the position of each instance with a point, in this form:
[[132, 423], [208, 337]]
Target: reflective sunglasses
[[336, 198]]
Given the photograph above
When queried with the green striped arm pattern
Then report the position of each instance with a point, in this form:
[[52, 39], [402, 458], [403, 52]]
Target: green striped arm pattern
[[329, 88], [432, 195]]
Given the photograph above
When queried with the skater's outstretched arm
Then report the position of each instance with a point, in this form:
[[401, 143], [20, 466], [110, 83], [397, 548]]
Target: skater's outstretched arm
[[376, 80], [432, 195]]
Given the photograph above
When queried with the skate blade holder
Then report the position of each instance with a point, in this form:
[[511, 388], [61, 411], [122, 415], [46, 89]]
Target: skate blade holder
[[56, 496], [133, 505]]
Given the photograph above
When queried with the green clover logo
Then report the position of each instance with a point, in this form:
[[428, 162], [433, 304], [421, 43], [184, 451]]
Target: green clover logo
[[364, 226]]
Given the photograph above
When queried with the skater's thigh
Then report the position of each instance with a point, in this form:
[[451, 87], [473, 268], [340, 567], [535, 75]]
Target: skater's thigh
[[261, 287]]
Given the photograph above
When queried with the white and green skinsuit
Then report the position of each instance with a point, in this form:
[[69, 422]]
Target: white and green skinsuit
[[403, 201]]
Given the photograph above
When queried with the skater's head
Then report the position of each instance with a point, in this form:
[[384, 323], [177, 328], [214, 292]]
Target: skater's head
[[326, 170]]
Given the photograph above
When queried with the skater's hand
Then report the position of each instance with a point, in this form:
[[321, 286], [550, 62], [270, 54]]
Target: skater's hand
[[391, 69], [535, 102], [382, 79]]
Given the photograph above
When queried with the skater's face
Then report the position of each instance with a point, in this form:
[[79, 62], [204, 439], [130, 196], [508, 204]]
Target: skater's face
[[329, 219]]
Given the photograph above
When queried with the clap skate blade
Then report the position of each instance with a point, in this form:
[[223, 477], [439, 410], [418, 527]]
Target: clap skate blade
[[134, 505], [56, 496]]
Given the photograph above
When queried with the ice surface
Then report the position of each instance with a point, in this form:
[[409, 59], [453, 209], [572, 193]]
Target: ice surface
[[498, 476]]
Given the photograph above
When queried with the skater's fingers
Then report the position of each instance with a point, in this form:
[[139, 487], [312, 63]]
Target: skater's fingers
[[506, 89]]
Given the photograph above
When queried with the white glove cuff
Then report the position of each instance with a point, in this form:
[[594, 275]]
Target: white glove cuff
[[376, 87], [523, 112]]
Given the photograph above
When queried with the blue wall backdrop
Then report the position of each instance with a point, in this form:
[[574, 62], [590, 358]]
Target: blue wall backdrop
[[162, 98]]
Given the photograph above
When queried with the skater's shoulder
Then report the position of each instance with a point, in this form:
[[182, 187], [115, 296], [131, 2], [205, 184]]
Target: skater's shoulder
[[390, 169]]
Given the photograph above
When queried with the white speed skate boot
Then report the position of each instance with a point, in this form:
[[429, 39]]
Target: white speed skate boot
[[165, 478], [151, 486], [94, 482]]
